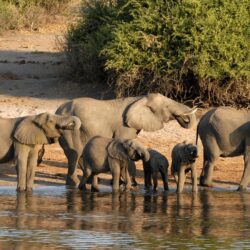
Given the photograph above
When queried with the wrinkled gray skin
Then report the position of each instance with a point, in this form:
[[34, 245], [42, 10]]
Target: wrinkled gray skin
[[157, 163], [183, 161], [102, 155], [22, 140], [120, 118], [224, 132]]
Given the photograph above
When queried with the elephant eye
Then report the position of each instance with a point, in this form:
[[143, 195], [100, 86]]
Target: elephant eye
[[51, 121]]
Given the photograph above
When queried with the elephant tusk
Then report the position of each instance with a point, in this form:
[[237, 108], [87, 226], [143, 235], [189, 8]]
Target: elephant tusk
[[71, 124], [190, 112]]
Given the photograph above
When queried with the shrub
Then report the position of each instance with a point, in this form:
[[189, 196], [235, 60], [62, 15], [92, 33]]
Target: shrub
[[186, 49], [87, 39], [8, 16], [16, 14]]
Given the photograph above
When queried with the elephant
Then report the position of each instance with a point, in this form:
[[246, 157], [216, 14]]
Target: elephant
[[157, 163], [183, 160], [103, 154], [225, 132], [22, 141], [119, 118]]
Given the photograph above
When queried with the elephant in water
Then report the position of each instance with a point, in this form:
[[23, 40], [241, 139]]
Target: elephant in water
[[22, 140], [102, 155], [119, 118], [157, 163], [224, 132], [183, 161]]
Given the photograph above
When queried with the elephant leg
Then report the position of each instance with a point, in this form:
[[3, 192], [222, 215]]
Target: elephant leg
[[134, 182], [206, 178], [181, 179], [21, 155], [41, 153], [132, 173], [116, 178], [246, 174], [85, 177], [164, 176], [176, 177], [94, 186], [211, 153], [194, 178], [125, 175], [147, 179], [155, 180], [73, 147], [128, 180], [31, 167]]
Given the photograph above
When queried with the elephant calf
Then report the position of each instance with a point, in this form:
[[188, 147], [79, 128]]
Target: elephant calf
[[102, 155], [183, 160], [156, 163]]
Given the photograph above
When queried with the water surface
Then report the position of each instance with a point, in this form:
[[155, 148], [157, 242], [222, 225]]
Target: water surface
[[57, 218]]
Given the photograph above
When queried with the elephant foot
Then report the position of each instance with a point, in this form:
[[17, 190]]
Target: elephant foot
[[166, 187], [115, 190], [134, 182], [72, 182], [210, 185], [21, 189], [82, 187], [205, 183], [29, 189], [242, 188], [94, 189], [147, 188]]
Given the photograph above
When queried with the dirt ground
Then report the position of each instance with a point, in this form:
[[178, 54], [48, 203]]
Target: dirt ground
[[32, 80]]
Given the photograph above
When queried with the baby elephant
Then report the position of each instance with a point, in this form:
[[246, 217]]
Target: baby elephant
[[183, 160], [102, 155], [157, 163]]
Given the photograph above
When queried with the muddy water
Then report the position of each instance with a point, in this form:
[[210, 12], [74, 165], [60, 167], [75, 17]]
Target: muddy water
[[57, 218]]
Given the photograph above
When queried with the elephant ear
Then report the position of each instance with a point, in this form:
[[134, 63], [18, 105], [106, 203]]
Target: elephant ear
[[146, 113], [28, 132], [117, 151]]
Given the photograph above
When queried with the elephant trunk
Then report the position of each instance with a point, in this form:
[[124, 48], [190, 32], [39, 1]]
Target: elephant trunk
[[186, 118], [68, 122], [145, 155]]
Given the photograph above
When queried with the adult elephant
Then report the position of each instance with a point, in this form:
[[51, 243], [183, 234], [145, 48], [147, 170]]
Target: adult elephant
[[119, 118], [22, 138], [224, 132]]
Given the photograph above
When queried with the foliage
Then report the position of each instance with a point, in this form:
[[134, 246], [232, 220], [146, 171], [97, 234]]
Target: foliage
[[8, 16], [87, 39], [16, 14], [186, 49]]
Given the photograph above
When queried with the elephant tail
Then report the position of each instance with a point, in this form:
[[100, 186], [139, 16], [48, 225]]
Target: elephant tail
[[197, 134]]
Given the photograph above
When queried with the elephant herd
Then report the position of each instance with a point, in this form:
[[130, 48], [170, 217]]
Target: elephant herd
[[97, 135]]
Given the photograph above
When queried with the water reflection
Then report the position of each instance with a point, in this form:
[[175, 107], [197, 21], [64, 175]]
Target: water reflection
[[60, 218]]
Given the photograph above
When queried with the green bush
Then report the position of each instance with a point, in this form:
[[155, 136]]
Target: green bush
[[8, 16], [17, 14], [186, 49], [87, 39]]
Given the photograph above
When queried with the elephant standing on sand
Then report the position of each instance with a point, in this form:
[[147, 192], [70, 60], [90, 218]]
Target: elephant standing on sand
[[183, 160], [119, 118], [102, 155], [22, 140], [224, 132], [157, 163]]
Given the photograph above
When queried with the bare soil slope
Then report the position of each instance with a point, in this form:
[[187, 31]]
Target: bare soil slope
[[32, 81]]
